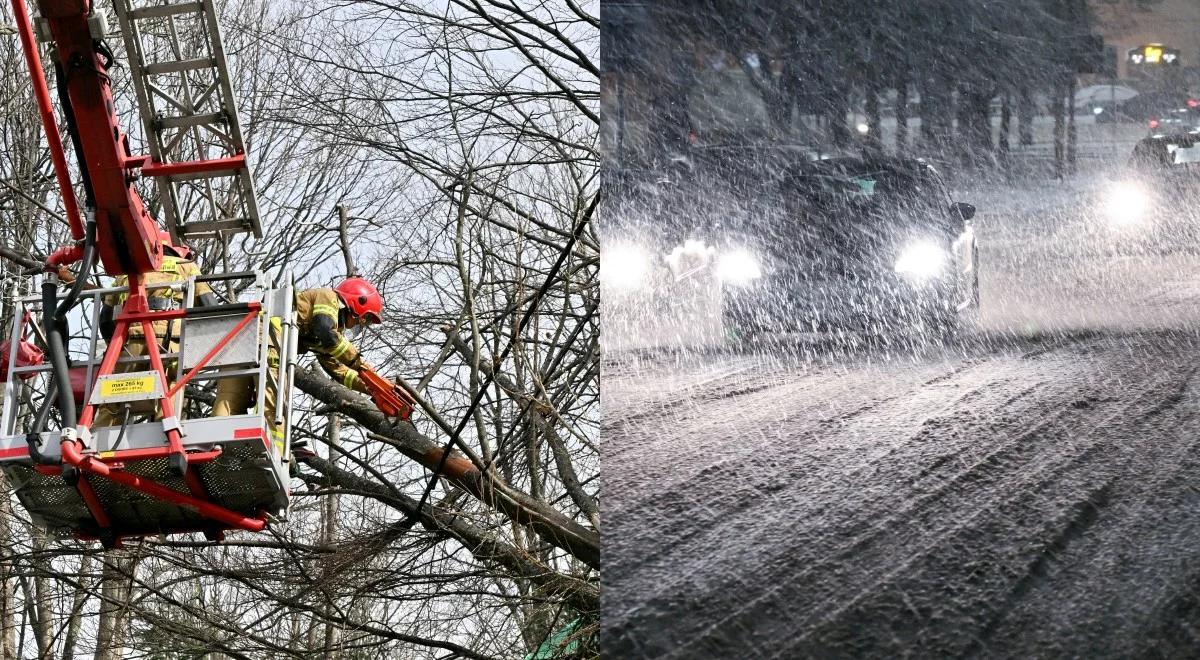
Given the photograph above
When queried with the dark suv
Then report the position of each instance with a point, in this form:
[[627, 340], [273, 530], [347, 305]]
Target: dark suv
[[869, 244]]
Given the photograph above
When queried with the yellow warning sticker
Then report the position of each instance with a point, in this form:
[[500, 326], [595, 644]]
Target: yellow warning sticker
[[127, 386]]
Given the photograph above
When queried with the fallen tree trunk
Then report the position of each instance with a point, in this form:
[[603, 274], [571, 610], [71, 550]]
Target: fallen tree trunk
[[482, 544], [551, 525]]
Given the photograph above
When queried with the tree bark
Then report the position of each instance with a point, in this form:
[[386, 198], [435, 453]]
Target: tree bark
[[1059, 129], [329, 533], [551, 525], [975, 123], [835, 115], [481, 543], [44, 621], [115, 591], [344, 241], [1071, 135], [872, 111], [937, 114], [78, 601], [8, 597], [1003, 149], [1025, 114]]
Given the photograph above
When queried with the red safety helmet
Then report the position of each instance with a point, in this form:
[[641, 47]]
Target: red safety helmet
[[361, 298], [182, 250]]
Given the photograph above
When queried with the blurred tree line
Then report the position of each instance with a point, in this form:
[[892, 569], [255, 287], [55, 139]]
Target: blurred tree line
[[965, 60]]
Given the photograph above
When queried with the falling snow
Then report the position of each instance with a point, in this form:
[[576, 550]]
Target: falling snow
[[834, 429]]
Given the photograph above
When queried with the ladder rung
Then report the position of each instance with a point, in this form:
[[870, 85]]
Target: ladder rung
[[211, 167], [218, 192], [192, 176], [190, 120], [213, 226], [182, 65], [160, 11]]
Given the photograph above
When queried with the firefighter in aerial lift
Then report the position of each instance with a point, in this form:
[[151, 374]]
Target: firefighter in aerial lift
[[177, 267], [322, 317]]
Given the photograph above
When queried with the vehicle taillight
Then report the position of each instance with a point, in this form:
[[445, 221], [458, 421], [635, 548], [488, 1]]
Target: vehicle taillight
[[1192, 103]]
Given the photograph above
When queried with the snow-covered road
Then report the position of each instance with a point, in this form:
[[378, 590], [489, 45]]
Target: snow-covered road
[[1031, 491]]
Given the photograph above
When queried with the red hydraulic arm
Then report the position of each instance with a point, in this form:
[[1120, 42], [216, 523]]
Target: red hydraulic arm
[[127, 235], [42, 93]]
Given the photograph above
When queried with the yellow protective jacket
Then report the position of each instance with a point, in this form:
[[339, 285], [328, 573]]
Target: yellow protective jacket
[[318, 320], [172, 270]]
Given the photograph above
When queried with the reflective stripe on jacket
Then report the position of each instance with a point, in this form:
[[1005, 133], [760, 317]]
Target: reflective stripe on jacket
[[334, 352], [172, 270]]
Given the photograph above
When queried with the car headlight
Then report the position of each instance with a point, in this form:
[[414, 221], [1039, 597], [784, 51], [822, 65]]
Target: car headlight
[[1126, 204], [738, 267], [921, 260], [690, 258], [624, 267]]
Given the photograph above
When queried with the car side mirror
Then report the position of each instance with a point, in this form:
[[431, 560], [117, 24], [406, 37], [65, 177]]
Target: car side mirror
[[964, 210]]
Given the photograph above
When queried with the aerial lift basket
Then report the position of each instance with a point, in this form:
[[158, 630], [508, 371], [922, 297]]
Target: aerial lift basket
[[139, 477]]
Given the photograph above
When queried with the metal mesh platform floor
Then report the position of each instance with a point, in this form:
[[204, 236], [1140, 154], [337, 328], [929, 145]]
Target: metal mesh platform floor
[[241, 479]]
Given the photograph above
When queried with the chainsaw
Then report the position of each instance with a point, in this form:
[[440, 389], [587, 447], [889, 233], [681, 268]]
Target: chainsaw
[[389, 397]]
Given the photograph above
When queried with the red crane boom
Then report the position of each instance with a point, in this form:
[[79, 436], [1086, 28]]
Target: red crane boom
[[127, 235]]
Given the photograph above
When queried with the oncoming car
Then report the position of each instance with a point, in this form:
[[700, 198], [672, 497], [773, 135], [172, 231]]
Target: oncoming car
[[659, 296], [665, 254], [873, 245], [1155, 200]]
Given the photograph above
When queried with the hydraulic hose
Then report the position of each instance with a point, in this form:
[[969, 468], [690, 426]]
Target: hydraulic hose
[[85, 271], [34, 437], [54, 324], [58, 356], [64, 99]]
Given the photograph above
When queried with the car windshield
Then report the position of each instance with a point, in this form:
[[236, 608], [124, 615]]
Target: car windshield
[[866, 197], [864, 211]]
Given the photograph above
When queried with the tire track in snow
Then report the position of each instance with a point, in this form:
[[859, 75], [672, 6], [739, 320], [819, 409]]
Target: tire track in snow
[[855, 551], [989, 468], [702, 512], [677, 566]]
